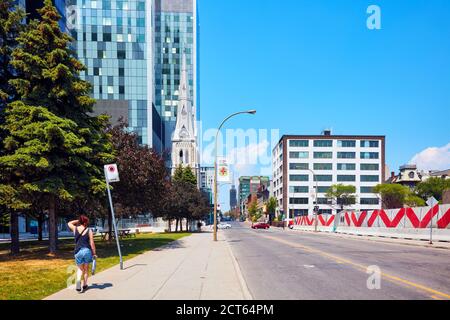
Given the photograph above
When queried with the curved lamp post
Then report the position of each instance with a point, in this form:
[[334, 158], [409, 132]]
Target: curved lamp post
[[215, 166]]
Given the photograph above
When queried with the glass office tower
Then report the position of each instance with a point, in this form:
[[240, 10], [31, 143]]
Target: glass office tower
[[113, 40], [175, 33], [132, 50]]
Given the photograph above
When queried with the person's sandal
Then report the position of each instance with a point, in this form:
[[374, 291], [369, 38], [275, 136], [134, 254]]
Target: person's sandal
[[85, 287]]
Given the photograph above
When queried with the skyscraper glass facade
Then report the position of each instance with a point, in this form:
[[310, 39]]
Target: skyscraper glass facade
[[176, 33], [111, 40]]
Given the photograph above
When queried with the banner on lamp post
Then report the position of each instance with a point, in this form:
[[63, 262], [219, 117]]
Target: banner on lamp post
[[223, 170]]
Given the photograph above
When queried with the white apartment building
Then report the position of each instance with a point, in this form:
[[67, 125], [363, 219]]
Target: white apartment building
[[300, 163]]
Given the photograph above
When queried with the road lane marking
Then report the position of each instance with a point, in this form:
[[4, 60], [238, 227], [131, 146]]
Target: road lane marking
[[341, 260]]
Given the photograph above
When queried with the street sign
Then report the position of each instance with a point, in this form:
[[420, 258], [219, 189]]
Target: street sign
[[432, 201], [223, 171], [112, 173]]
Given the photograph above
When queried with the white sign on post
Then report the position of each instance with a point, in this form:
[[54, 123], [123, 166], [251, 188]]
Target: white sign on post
[[432, 201], [223, 171], [112, 173]]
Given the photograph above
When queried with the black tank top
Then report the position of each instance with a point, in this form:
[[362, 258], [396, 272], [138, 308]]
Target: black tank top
[[82, 241]]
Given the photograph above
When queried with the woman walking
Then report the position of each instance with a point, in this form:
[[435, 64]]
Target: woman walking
[[84, 250]]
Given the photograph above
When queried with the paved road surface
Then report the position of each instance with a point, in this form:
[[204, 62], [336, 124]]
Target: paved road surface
[[293, 265]]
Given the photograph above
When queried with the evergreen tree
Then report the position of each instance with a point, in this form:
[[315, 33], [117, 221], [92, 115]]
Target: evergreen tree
[[54, 148], [178, 174], [188, 176], [11, 18]]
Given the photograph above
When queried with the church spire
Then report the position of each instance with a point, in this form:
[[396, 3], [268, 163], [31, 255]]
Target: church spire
[[184, 129]]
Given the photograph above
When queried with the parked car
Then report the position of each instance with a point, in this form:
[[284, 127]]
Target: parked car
[[261, 225], [224, 226]]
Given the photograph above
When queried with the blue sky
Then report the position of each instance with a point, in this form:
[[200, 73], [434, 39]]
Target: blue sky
[[307, 65]]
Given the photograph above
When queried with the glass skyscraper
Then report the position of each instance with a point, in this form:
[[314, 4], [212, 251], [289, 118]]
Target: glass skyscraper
[[132, 50], [176, 34]]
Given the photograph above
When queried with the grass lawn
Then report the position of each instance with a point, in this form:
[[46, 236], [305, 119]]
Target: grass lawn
[[34, 275]]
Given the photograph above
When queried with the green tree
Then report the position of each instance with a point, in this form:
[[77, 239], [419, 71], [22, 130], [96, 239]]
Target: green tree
[[392, 195], [184, 174], [253, 211], [54, 148], [432, 187], [342, 195], [272, 205], [178, 174], [395, 196], [188, 176], [11, 25]]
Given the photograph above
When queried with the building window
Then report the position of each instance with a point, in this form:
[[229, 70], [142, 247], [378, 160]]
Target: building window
[[346, 178], [299, 166], [107, 37], [298, 200], [323, 201], [323, 166], [369, 201], [110, 90], [370, 144], [369, 155], [298, 155], [366, 189], [323, 155], [299, 189], [346, 166], [370, 178], [299, 177], [323, 177], [346, 143], [370, 167], [346, 155], [121, 54], [323, 143], [298, 143], [323, 189]]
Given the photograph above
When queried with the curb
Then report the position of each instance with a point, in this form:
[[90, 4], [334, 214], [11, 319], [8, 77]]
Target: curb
[[242, 282], [380, 239]]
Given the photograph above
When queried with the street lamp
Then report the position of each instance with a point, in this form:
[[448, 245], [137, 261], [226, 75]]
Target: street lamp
[[215, 166]]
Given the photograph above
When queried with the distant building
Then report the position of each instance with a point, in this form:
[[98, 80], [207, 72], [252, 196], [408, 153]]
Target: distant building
[[410, 176], [302, 161], [233, 197], [249, 185]]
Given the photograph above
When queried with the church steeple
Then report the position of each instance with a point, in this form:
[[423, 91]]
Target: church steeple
[[184, 142], [184, 129]]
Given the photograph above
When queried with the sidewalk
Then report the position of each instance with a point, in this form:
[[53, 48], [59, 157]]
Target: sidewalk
[[193, 268]]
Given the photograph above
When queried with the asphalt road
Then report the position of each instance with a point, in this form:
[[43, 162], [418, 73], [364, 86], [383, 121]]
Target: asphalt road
[[286, 265]]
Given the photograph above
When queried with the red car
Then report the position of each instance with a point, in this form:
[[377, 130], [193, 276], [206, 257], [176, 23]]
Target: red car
[[261, 225]]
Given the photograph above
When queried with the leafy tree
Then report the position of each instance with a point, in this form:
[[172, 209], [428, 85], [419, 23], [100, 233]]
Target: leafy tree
[[395, 196], [392, 195], [253, 211], [432, 187], [342, 195], [272, 205], [143, 175], [414, 201], [54, 148]]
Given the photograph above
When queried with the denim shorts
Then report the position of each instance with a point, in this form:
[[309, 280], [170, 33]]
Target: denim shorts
[[84, 256]]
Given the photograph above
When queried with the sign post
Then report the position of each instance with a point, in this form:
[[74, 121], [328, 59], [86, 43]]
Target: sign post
[[431, 202], [112, 175]]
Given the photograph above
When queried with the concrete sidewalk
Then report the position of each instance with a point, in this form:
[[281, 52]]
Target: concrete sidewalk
[[193, 268]]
